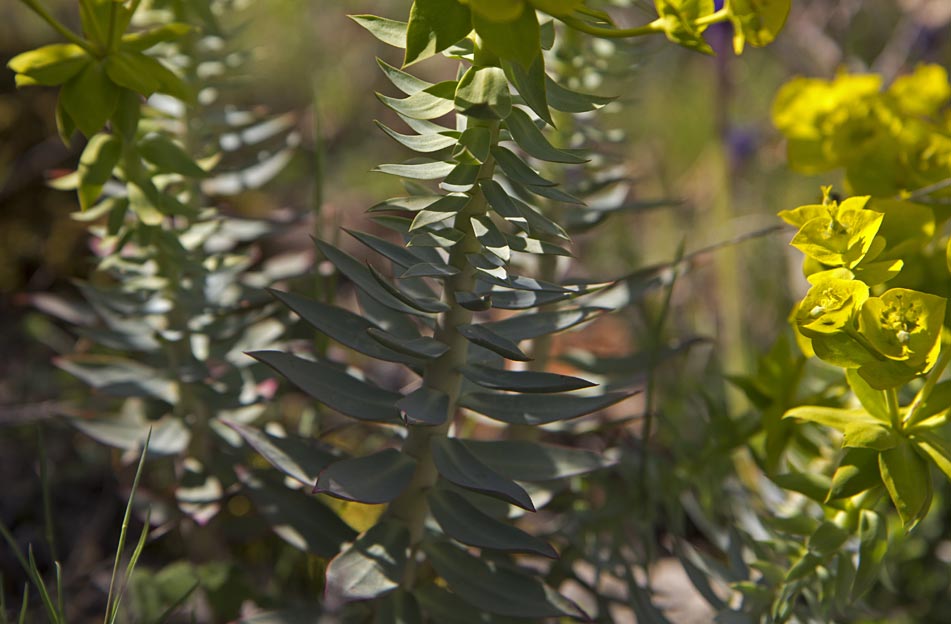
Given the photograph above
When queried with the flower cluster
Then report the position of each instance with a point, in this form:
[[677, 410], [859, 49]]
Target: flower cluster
[[888, 141], [889, 338]]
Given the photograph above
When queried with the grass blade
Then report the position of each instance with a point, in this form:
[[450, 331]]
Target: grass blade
[[25, 605], [140, 545], [41, 588], [45, 487], [112, 609]]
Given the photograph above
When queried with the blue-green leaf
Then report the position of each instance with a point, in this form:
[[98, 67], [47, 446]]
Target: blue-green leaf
[[483, 92], [361, 276], [568, 101], [299, 519], [530, 326], [422, 302], [533, 141], [373, 479], [334, 388], [516, 170], [434, 25], [532, 461], [390, 32], [458, 465], [407, 83], [294, 456], [345, 327], [422, 347], [484, 336], [498, 588], [447, 608], [429, 142], [462, 521], [518, 409], [430, 103], [530, 84], [425, 406], [430, 170], [522, 381], [518, 40], [370, 567]]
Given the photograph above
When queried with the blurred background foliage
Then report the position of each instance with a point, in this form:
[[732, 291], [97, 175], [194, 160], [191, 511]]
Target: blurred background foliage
[[696, 129]]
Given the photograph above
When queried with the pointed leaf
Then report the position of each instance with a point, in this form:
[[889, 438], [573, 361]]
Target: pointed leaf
[[447, 608], [865, 435], [493, 341], [373, 479], [483, 92], [294, 456], [407, 83], [435, 25], [169, 156], [424, 143], [569, 101], [498, 588], [334, 388], [423, 347], [345, 327], [362, 278], [371, 566], [432, 170], [532, 461], [145, 39], [98, 159], [429, 269], [937, 448], [522, 381], [301, 520], [908, 481], [462, 521], [120, 377], [533, 141], [873, 546], [518, 40], [518, 409], [871, 399], [857, 472], [422, 302], [458, 465], [51, 65], [530, 326], [425, 406], [390, 32], [530, 84], [516, 169], [430, 103], [833, 417], [90, 98]]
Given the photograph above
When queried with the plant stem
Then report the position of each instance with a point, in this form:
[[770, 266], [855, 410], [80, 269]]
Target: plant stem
[[894, 411], [657, 26], [442, 373], [58, 27], [930, 382], [714, 18]]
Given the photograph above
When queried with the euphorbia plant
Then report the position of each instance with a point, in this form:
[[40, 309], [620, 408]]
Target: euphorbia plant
[[467, 236], [444, 547]]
